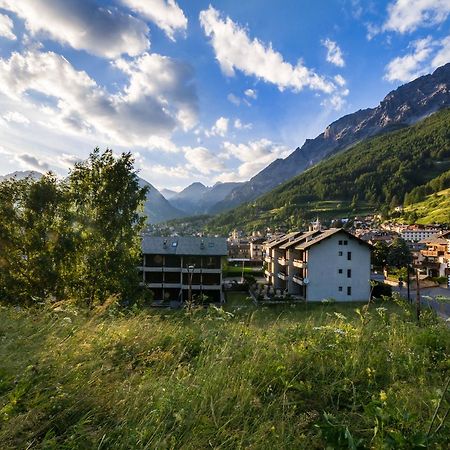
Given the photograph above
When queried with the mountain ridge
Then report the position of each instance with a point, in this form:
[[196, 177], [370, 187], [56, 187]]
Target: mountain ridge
[[401, 107]]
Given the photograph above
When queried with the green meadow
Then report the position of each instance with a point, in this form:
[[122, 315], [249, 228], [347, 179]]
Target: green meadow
[[297, 376]]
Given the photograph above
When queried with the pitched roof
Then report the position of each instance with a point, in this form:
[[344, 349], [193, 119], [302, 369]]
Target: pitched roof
[[325, 235], [184, 245], [282, 239], [438, 238], [299, 239]]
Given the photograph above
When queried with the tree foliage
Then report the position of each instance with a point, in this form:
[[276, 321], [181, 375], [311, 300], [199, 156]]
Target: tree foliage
[[76, 238]]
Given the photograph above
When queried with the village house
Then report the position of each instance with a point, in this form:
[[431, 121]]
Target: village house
[[434, 261], [319, 264], [173, 266]]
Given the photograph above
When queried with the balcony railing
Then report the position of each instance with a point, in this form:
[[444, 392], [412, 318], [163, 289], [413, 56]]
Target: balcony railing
[[282, 261], [430, 253], [300, 264], [299, 280], [268, 259], [267, 273], [282, 276]]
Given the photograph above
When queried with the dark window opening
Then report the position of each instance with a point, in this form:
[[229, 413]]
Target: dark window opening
[[349, 256], [349, 290], [349, 273]]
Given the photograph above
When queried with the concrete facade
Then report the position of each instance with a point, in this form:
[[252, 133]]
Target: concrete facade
[[319, 264]]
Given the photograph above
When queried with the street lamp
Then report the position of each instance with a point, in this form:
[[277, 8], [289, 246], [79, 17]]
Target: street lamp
[[190, 269]]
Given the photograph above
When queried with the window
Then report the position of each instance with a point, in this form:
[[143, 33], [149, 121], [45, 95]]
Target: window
[[340, 253], [340, 242], [349, 256], [340, 288], [340, 270], [349, 273], [349, 290], [345, 242]]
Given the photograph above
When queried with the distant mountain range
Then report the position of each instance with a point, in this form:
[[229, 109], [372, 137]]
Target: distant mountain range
[[402, 107], [199, 199], [21, 175]]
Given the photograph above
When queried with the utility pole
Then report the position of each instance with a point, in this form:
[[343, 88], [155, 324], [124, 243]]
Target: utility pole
[[417, 296], [407, 283]]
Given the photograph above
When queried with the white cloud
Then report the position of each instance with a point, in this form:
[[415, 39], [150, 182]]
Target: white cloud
[[16, 117], [220, 128], [84, 25], [235, 50], [166, 14], [406, 68], [202, 160], [144, 113], [234, 99], [340, 80], [6, 27], [408, 15], [254, 156], [334, 53], [252, 93], [166, 79], [242, 126], [442, 56]]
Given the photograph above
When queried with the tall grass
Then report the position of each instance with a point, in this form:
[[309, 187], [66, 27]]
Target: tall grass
[[293, 377]]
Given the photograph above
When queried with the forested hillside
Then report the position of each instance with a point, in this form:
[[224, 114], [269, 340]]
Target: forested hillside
[[373, 175]]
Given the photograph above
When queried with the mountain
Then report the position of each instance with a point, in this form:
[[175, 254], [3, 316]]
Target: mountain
[[402, 107], [374, 175], [199, 199], [22, 174], [167, 193], [156, 207]]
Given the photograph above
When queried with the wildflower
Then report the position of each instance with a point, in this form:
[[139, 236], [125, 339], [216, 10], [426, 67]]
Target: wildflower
[[383, 396]]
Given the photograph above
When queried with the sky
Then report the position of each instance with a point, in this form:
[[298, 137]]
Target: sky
[[209, 91]]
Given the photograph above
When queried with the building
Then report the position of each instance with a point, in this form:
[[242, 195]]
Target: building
[[256, 248], [435, 259], [320, 264], [238, 248], [172, 265]]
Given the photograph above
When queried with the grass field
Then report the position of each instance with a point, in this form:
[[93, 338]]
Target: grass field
[[434, 209], [304, 376]]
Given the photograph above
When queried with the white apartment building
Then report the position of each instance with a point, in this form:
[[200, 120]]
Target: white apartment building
[[320, 264]]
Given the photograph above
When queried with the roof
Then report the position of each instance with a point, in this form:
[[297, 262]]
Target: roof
[[184, 245], [438, 238], [282, 239], [298, 239], [325, 235]]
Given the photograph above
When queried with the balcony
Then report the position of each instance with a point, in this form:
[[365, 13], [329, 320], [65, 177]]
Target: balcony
[[204, 287], [267, 273], [282, 261], [299, 280], [282, 276], [300, 264], [430, 253], [268, 259]]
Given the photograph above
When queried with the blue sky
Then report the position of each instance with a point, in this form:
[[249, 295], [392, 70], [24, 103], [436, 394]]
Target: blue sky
[[199, 91]]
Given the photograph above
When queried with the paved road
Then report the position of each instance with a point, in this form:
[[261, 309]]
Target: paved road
[[428, 298]]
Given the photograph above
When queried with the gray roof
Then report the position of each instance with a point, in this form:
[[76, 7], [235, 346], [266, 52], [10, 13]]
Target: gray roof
[[282, 239], [326, 234], [298, 239], [184, 245]]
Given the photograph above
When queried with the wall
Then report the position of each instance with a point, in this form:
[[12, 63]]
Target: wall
[[324, 262]]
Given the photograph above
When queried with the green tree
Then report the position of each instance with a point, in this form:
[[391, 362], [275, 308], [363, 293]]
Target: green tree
[[380, 254], [33, 244], [106, 199], [399, 254]]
